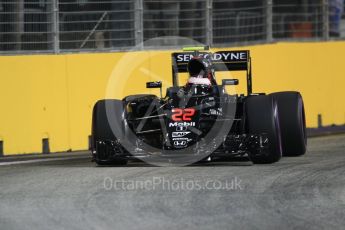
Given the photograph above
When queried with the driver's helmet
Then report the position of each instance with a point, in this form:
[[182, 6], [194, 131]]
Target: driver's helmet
[[201, 77], [200, 71]]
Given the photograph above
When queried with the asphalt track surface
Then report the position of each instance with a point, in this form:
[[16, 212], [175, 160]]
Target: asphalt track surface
[[67, 191]]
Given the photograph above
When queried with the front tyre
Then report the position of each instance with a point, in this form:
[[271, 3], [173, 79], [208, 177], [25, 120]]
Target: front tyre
[[102, 132], [262, 118]]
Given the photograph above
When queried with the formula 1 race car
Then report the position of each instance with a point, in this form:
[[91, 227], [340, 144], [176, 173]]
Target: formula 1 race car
[[200, 121]]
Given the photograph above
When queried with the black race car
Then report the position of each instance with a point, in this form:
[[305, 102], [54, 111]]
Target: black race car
[[199, 121]]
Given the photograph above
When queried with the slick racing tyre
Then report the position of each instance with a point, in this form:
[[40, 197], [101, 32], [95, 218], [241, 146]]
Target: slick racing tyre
[[262, 118], [102, 132], [292, 123]]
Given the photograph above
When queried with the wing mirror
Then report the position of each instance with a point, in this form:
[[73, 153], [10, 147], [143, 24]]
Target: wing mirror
[[230, 81], [154, 84]]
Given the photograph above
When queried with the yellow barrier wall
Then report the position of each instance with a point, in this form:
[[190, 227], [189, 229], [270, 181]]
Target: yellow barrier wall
[[51, 96]]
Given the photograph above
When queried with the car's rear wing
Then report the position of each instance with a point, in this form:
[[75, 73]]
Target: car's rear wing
[[222, 61]]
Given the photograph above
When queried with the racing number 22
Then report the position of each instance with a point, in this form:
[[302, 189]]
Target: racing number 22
[[182, 114]]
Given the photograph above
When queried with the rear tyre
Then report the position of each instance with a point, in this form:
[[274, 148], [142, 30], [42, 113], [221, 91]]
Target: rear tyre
[[292, 123], [262, 118], [102, 131]]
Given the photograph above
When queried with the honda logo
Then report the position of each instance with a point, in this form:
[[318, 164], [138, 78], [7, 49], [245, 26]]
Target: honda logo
[[180, 143]]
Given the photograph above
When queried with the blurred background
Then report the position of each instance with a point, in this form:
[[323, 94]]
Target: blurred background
[[57, 56], [28, 26]]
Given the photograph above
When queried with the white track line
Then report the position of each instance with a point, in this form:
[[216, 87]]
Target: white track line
[[40, 160]]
